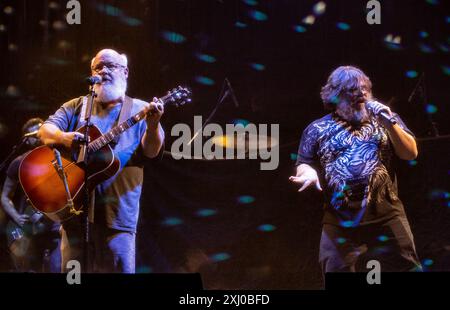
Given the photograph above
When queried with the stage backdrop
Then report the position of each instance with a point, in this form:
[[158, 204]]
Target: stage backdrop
[[239, 226]]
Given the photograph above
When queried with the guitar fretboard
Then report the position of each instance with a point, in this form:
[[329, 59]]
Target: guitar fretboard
[[103, 140]]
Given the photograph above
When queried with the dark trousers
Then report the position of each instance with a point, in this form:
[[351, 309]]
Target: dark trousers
[[40, 253], [347, 249], [110, 250]]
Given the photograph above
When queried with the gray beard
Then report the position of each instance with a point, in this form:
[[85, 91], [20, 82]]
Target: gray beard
[[111, 92], [352, 115]]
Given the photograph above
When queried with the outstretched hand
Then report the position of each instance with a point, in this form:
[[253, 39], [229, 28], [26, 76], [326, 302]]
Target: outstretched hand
[[306, 179]]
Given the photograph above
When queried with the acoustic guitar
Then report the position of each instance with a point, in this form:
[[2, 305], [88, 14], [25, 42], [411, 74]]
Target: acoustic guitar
[[54, 184]]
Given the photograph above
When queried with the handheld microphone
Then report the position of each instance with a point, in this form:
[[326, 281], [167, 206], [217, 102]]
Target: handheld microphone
[[95, 79], [382, 113]]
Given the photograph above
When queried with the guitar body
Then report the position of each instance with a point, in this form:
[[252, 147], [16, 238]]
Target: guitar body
[[44, 187]]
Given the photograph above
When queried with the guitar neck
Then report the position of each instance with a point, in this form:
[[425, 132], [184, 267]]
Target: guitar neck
[[117, 130]]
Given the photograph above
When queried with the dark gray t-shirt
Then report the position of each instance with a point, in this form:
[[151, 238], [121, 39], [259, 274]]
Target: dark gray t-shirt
[[19, 199], [116, 199], [356, 166]]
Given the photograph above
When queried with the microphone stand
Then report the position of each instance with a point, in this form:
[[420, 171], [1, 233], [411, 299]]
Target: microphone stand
[[222, 95], [433, 127], [420, 89], [13, 152], [87, 199]]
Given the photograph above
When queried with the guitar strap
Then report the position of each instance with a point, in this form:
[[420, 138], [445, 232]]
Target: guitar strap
[[74, 118], [125, 113]]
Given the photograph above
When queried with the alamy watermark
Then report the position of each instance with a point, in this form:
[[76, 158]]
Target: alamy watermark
[[74, 15], [374, 275], [235, 142], [374, 12], [74, 274], [373, 15]]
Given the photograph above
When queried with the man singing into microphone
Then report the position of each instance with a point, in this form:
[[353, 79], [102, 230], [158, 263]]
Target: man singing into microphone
[[116, 200], [350, 154]]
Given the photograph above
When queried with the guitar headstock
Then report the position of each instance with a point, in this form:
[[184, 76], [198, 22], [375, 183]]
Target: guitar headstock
[[178, 96]]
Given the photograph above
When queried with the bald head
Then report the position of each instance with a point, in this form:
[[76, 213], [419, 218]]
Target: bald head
[[109, 56], [112, 67]]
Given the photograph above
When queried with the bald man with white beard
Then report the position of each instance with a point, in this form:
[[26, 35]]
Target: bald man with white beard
[[115, 211]]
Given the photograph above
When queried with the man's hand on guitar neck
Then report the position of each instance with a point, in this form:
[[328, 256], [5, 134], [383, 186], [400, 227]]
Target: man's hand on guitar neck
[[154, 110], [153, 138]]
